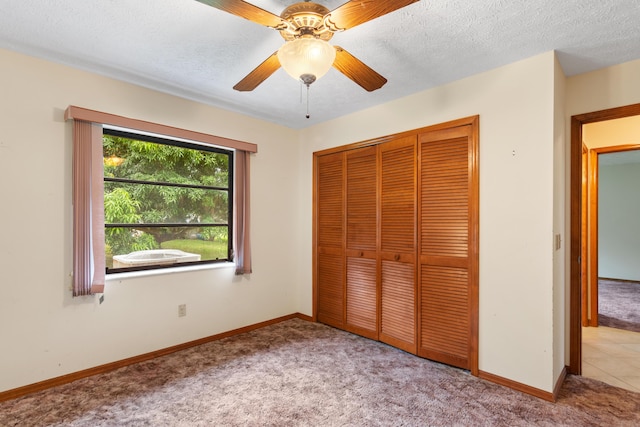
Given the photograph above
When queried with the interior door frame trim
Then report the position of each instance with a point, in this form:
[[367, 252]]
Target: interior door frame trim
[[593, 227], [592, 242]]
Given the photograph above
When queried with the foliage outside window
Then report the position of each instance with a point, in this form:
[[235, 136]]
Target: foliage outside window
[[166, 202]]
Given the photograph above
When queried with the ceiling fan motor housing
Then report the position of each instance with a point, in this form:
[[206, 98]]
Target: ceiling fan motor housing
[[305, 19]]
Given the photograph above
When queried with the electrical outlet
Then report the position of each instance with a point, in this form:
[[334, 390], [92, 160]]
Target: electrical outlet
[[182, 310]]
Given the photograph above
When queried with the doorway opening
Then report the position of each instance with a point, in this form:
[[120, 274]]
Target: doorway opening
[[611, 177], [583, 297]]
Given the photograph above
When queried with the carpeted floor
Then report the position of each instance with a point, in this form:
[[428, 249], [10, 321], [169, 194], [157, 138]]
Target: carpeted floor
[[619, 304], [298, 373]]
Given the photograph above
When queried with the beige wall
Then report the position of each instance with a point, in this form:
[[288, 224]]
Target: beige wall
[[561, 253], [516, 107], [610, 87], [624, 131], [44, 332]]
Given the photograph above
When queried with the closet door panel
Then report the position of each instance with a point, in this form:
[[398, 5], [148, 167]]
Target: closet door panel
[[330, 302], [448, 212], [330, 201], [445, 314], [362, 296], [330, 268], [361, 242], [445, 198], [361, 199], [397, 323], [398, 196], [398, 243]]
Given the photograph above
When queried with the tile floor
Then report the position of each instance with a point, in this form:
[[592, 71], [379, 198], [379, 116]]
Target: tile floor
[[612, 356]]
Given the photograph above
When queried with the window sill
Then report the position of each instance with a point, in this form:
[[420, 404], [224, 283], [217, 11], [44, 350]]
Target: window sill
[[163, 271]]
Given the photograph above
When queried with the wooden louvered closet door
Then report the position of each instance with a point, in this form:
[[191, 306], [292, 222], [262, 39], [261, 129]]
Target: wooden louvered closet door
[[361, 242], [448, 242], [330, 270], [398, 243]]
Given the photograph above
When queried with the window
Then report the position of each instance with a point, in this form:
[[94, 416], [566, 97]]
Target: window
[[166, 202], [89, 242]]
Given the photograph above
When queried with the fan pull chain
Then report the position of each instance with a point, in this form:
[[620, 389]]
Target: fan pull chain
[[307, 116], [301, 83]]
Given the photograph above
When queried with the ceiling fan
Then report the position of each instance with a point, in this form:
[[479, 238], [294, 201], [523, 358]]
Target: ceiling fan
[[306, 27]]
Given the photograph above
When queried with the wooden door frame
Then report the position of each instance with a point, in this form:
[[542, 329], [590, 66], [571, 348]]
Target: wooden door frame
[[591, 245], [575, 291], [593, 256], [584, 230]]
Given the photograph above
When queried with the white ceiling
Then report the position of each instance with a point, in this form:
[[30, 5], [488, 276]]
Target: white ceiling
[[192, 50]]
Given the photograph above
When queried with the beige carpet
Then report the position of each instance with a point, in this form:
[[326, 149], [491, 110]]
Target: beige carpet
[[619, 304], [298, 373]]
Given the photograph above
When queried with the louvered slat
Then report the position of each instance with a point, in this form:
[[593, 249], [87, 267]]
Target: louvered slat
[[330, 200], [445, 197], [361, 293], [445, 311], [398, 303], [398, 197], [361, 199], [330, 306]]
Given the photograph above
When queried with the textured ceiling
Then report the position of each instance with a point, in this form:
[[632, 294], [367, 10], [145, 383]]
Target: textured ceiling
[[192, 50]]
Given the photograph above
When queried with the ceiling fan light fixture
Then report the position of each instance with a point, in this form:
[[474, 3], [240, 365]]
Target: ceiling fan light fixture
[[306, 58]]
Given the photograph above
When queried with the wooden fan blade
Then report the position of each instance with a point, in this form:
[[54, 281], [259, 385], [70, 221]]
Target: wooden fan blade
[[357, 70], [356, 12], [259, 74], [247, 11]]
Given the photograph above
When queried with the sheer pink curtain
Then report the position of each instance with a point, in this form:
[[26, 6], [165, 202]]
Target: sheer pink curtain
[[88, 209], [241, 208]]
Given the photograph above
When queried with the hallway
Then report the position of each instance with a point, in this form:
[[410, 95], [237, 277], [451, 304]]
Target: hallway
[[612, 356]]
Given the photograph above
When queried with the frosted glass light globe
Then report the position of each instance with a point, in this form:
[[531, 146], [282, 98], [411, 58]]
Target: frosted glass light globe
[[306, 58]]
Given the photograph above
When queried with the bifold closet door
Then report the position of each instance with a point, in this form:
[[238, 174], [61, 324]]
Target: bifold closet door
[[361, 242], [448, 246], [330, 268], [398, 243]]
